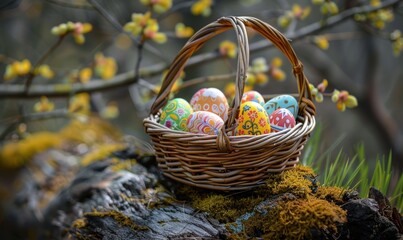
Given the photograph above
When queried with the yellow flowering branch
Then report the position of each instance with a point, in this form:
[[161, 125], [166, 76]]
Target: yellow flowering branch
[[124, 79]]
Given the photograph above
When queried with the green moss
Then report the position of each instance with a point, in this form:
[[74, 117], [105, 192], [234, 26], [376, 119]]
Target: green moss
[[331, 194], [16, 154], [296, 181], [120, 218], [79, 223], [295, 218], [100, 152], [288, 219], [225, 207]]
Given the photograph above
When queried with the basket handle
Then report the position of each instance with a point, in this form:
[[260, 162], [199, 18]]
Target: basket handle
[[239, 24]]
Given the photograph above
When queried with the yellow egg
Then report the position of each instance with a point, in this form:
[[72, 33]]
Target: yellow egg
[[252, 120], [210, 100]]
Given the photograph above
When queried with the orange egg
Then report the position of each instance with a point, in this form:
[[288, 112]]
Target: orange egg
[[210, 100]]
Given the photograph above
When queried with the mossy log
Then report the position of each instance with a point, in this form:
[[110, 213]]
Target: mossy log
[[106, 190], [102, 203]]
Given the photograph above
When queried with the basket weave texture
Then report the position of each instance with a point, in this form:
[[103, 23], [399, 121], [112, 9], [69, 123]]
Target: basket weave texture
[[226, 162]]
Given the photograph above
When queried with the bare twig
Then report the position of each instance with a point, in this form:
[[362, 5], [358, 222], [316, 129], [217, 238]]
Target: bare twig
[[15, 90], [70, 4], [32, 74], [60, 113]]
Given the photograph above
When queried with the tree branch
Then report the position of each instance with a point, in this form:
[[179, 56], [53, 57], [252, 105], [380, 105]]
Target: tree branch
[[105, 14], [17, 91]]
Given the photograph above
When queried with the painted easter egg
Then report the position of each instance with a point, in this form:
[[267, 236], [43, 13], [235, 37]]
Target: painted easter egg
[[175, 114], [210, 100], [282, 101], [252, 96], [281, 119], [204, 122], [252, 120]]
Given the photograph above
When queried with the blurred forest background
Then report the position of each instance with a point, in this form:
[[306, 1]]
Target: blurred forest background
[[362, 57]]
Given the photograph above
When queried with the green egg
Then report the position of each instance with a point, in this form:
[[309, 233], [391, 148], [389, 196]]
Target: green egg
[[175, 114]]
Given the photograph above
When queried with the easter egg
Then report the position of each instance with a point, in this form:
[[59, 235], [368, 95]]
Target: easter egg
[[204, 122], [252, 120], [281, 119], [210, 100], [175, 114], [282, 101], [252, 96]]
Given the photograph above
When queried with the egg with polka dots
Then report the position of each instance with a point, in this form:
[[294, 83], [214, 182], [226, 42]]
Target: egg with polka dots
[[210, 100], [281, 119]]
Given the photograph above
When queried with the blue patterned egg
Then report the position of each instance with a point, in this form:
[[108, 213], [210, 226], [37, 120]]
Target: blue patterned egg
[[282, 101], [175, 114]]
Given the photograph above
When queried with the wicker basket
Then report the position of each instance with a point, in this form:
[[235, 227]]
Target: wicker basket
[[227, 162]]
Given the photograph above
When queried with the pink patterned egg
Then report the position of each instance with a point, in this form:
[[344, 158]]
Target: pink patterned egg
[[281, 119], [252, 96], [210, 100], [204, 122]]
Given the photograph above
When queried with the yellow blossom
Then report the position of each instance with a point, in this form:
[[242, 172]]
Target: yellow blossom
[[261, 78], [251, 79], [110, 111], [285, 20], [45, 71], [85, 75], [183, 31], [316, 92], [343, 99], [317, 2], [151, 32], [44, 105], [105, 67], [228, 49], [145, 25], [276, 62], [17, 68], [323, 85], [321, 41], [259, 65], [158, 6], [139, 21], [77, 29], [300, 12], [202, 7], [275, 70], [229, 89], [277, 74], [80, 103], [397, 42], [375, 3], [329, 8], [257, 73]]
